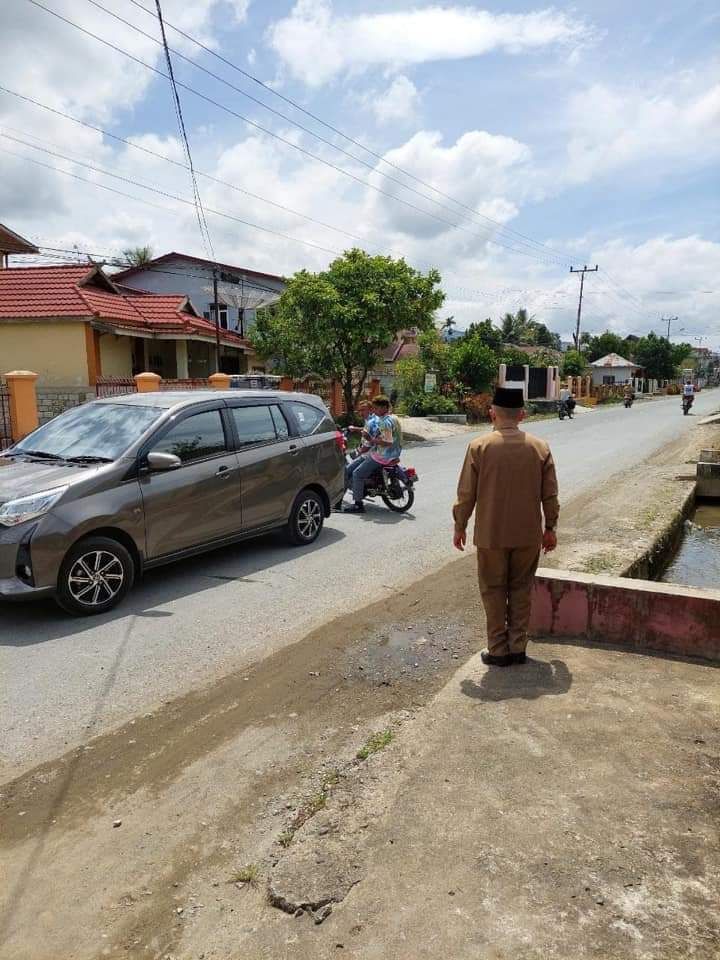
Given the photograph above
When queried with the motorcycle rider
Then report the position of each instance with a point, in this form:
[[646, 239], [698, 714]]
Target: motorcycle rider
[[386, 449], [688, 393], [567, 400], [628, 394], [368, 432]]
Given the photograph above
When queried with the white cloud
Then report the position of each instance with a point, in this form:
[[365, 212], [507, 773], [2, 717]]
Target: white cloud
[[316, 45], [612, 128], [252, 56], [397, 104], [483, 171]]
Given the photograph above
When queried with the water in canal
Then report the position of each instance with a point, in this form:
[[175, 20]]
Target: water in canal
[[697, 562]]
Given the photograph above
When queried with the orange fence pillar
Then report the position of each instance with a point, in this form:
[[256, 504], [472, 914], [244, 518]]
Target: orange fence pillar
[[147, 382], [23, 402], [219, 381], [286, 383]]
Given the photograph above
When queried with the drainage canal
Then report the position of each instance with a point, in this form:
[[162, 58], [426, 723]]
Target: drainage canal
[[697, 561]]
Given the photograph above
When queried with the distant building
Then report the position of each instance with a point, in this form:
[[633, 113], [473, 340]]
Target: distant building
[[612, 368], [241, 292], [72, 324]]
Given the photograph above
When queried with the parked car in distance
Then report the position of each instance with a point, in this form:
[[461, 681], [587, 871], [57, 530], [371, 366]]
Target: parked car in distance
[[111, 488], [254, 381]]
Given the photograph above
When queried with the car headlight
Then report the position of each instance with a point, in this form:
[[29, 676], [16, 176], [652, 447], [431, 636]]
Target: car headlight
[[26, 508]]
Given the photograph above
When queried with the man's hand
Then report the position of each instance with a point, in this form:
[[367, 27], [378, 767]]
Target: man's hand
[[459, 538], [549, 541]]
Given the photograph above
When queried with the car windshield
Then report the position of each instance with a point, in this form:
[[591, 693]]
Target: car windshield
[[94, 432]]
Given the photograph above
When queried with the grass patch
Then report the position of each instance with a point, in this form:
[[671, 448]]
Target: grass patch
[[602, 562], [377, 742], [648, 517], [249, 874]]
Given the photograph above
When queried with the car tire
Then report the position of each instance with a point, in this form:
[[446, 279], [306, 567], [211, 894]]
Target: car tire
[[95, 575], [306, 518]]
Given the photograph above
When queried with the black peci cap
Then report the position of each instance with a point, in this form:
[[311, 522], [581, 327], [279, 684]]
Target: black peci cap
[[512, 398]]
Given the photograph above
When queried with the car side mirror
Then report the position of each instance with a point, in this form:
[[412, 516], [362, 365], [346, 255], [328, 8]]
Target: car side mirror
[[163, 461]]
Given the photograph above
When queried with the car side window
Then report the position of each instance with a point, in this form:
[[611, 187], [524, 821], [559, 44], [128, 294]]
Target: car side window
[[194, 438], [308, 417], [258, 424]]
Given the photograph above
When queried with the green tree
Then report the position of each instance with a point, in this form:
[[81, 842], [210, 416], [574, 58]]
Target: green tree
[[435, 354], [607, 342], [488, 334], [410, 376], [473, 364], [335, 323], [137, 256], [680, 352], [656, 355], [574, 363]]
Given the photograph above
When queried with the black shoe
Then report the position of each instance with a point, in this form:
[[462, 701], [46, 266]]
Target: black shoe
[[492, 660], [355, 508], [519, 657]]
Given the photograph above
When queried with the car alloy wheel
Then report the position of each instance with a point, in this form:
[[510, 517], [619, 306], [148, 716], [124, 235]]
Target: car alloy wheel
[[95, 578], [309, 518]]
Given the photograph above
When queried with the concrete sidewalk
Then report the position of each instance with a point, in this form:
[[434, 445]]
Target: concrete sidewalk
[[564, 809]]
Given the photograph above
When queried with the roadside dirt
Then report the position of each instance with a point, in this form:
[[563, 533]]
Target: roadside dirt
[[208, 783], [169, 837]]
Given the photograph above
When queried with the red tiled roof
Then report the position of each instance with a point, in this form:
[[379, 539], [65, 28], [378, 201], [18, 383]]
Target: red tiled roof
[[43, 292], [84, 291]]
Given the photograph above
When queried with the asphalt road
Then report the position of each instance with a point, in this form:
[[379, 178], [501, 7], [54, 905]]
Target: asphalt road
[[65, 680]]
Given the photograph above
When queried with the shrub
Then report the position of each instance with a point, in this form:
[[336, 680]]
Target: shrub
[[428, 404], [477, 406]]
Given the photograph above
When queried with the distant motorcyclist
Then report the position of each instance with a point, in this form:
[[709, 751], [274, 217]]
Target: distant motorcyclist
[[628, 395], [688, 395], [567, 402], [386, 449]]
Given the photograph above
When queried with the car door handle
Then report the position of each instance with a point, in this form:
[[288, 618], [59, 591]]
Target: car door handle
[[293, 448], [223, 472]]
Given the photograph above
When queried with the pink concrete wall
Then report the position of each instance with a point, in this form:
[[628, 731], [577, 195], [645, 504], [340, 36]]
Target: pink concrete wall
[[636, 613]]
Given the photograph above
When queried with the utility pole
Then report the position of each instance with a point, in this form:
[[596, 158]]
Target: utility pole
[[217, 320], [668, 321], [585, 269]]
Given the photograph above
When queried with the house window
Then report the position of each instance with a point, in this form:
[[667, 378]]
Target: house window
[[222, 314], [609, 380]]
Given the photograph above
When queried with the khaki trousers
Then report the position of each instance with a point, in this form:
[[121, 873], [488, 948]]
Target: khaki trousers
[[506, 578]]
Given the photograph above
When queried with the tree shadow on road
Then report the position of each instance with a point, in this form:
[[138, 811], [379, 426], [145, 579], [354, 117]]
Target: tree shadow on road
[[529, 681]]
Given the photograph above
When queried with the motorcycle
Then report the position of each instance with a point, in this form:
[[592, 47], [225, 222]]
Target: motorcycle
[[628, 401], [687, 402], [566, 408], [393, 484]]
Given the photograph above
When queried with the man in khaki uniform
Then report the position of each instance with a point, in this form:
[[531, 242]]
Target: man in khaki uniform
[[508, 479]]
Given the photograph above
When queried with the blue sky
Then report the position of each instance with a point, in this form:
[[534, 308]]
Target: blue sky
[[593, 129]]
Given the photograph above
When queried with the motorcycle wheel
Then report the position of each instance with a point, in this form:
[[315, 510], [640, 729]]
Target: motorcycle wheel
[[397, 505]]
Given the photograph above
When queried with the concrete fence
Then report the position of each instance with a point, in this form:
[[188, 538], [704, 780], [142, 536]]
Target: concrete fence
[[640, 614]]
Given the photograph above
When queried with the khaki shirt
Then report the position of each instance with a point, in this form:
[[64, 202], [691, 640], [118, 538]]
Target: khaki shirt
[[508, 475]]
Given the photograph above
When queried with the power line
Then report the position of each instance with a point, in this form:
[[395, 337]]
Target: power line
[[217, 213], [294, 146], [495, 223], [135, 181], [199, 212]]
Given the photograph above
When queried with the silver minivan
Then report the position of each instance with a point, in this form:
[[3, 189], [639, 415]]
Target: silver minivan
[[111, 488]]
